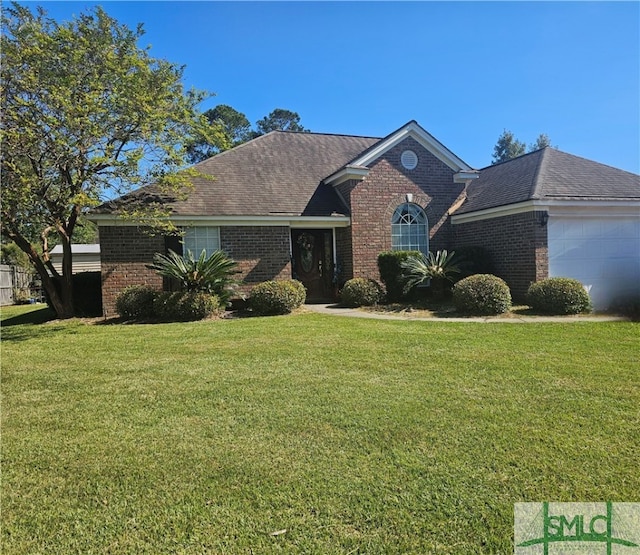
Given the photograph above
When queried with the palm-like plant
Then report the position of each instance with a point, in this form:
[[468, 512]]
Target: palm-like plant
[[439, 267], [213, 274]]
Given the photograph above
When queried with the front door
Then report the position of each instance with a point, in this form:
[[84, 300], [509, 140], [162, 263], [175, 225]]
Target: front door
[[313, 262]]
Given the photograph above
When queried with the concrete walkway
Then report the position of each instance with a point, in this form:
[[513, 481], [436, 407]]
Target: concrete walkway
[[336, 310]]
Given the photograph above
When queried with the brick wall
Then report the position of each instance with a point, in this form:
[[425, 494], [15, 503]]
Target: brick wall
[[262, 252], [124, 253], [344, 254], [374, 200], [517, 244]]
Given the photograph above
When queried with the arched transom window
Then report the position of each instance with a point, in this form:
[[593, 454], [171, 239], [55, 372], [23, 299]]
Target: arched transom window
[[409, 229]]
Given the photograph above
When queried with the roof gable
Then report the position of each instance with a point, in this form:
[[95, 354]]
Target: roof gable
[[358, 167], [425, 139]]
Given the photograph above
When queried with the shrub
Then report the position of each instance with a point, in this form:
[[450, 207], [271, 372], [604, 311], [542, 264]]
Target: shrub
[[361, 292], [558, 295], [211, 275], [392, 274], [136, 302], [277, 297], [482, 294], [186, 306]]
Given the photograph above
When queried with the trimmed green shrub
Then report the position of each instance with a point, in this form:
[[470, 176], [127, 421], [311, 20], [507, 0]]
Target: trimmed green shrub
[[392, 274], [136, 302], [186, 306], [483, 294], [277, 297], [558, 295], [361, 292]]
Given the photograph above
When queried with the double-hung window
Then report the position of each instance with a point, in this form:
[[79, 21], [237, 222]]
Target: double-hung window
[[199, 238]]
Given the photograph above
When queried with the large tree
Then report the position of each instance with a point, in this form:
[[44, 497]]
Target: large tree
[[509, 147], [279, 120], [87, 115], [228, 128]]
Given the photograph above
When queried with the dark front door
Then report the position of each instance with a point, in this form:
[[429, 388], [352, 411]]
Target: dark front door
[[313, 262]]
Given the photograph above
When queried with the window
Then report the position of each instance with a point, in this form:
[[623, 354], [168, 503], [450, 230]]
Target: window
[[203, 237], [409, 229]]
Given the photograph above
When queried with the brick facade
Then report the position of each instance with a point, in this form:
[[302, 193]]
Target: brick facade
[[262, 252], [374, 200], [124, 253], [517, 244]]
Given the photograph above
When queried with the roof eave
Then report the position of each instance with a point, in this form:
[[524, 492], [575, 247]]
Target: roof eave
[[347, 173]]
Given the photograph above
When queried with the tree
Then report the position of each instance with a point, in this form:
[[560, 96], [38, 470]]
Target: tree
[[228, 128], [12, 255], [236, 126], [280, 120], [507, 147], [541, 142], [87, 115]]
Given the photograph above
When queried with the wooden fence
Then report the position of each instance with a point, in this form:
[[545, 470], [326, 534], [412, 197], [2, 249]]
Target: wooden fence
[[14, 281]]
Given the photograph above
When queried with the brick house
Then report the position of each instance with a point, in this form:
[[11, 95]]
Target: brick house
[[321, 207]]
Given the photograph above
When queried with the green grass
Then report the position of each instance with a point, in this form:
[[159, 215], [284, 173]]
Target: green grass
[[353, 435]]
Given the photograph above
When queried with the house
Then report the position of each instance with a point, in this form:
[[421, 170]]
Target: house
[[321, 207], [85, 258]]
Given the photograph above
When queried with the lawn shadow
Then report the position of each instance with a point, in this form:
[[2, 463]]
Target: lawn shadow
[[33, 317]]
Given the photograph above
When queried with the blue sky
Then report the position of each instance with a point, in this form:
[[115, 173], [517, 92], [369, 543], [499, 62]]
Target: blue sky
[[463, 70]]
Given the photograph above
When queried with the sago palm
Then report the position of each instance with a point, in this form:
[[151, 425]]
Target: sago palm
[[213, 274], [418, 270]]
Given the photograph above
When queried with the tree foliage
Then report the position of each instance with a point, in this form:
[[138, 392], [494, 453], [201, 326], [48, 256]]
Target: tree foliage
[[229, 128], [542, 141], [279, 120], [509, 147], [87, 114]]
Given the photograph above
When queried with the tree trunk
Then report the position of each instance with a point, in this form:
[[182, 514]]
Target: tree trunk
[[62, 303]]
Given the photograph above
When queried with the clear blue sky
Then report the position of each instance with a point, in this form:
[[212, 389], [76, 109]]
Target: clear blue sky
[[464, 70]]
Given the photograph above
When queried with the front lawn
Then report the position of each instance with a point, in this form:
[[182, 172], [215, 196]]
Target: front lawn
[[307, 433]]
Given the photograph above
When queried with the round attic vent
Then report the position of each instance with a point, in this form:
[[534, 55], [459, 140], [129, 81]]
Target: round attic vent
[[409, 159]]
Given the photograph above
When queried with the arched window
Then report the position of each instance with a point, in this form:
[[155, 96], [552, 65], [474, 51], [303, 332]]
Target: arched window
[[409, 229]]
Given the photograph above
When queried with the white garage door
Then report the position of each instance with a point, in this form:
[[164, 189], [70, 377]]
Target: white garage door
[[603, 253]]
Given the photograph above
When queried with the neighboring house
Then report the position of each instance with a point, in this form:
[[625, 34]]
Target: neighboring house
[[85, 258], [321, 208]]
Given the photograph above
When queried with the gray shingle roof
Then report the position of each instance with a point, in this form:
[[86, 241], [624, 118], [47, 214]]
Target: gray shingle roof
[[277, 174], [548, 174]]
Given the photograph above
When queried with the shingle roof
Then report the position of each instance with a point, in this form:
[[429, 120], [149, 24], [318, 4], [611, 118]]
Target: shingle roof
[[279, 173], [548, 174]]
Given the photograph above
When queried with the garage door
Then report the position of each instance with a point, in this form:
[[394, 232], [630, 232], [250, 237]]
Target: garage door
[[602, 253]]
